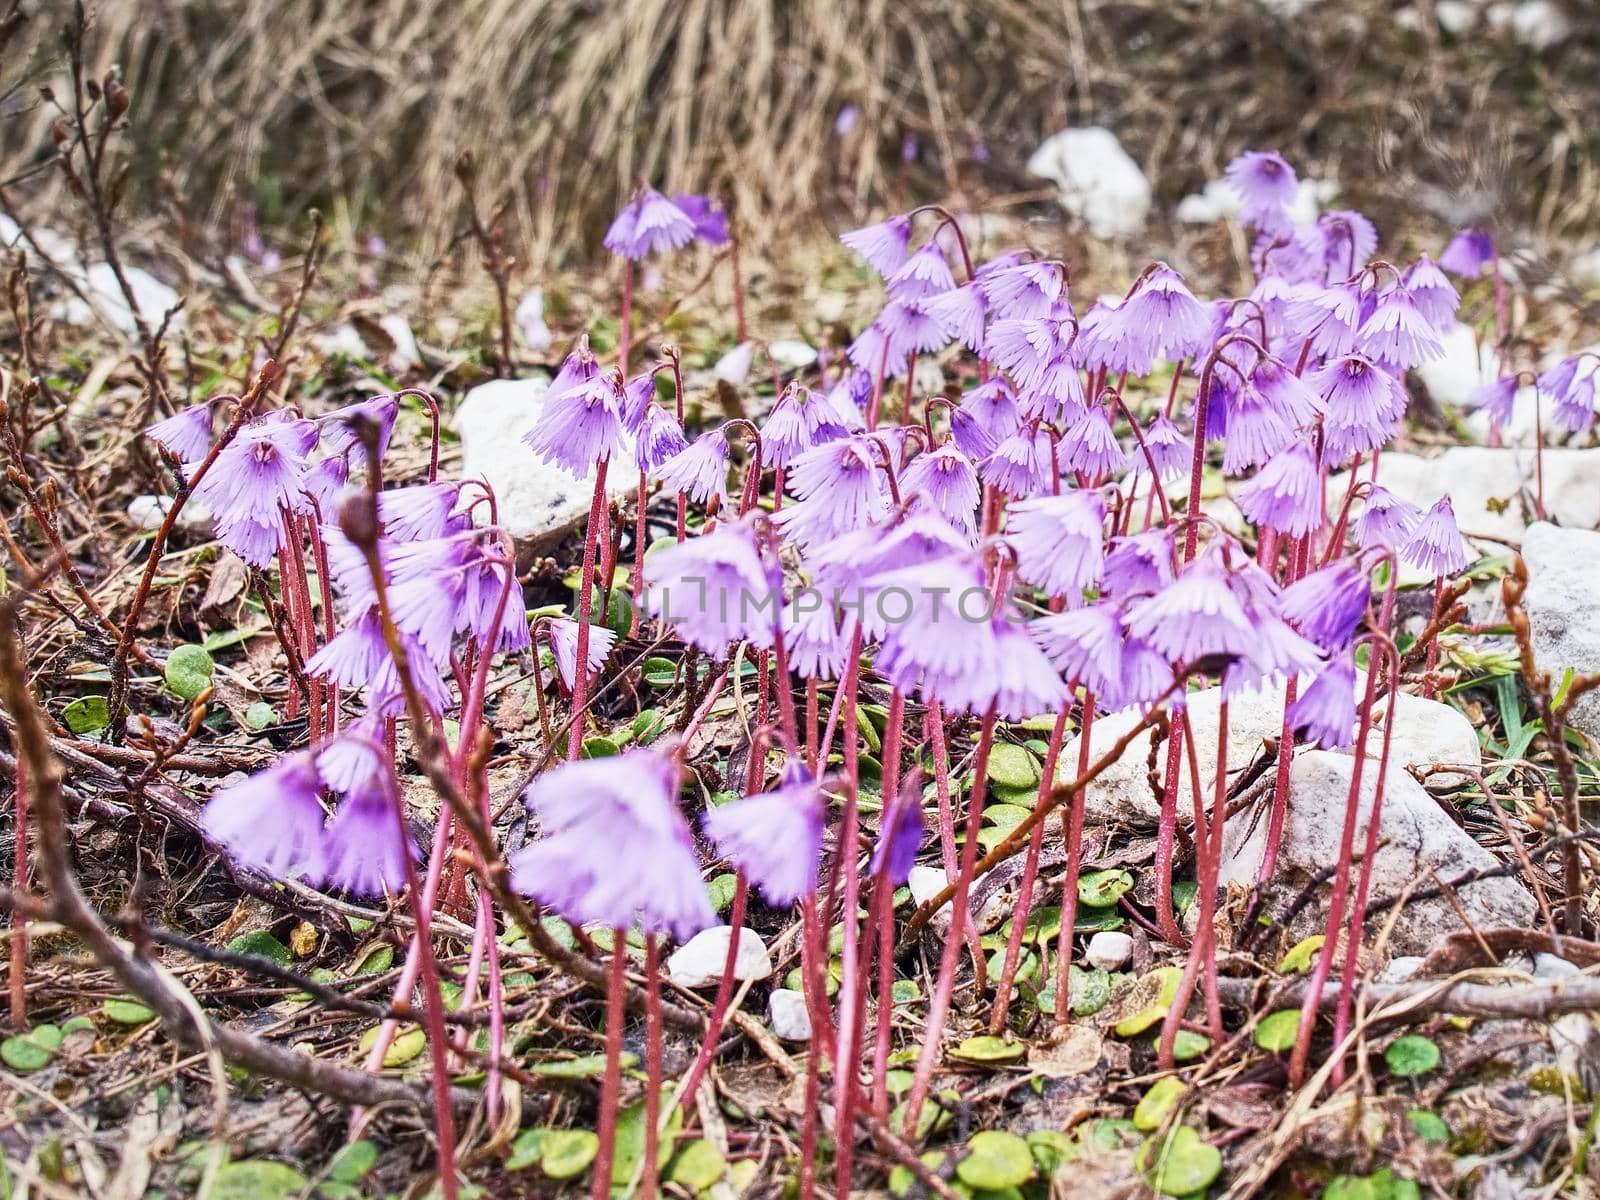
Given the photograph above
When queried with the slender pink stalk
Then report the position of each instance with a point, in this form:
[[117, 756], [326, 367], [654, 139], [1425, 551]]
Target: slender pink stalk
[[846, 1044], [719, 1004], [1073, 821], [625, 333], [611, 1080], [944, 986], [652, 1063], [19, 883], [597, 517]]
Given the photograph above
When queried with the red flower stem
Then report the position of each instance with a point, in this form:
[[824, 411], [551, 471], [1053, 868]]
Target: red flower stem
[[1381, 646], [638, 554], [597, 516], [883, 919], [813, 971], [944, 987], [1166, 839], [933, 724], [1301, 1053], [611, 1080], [1430, 686], [845, 1057], [330, 626], [877, 389], [1072, 819], [1030, 873], [811, 723], [652, 1063], [719, 1004], [19, 884]]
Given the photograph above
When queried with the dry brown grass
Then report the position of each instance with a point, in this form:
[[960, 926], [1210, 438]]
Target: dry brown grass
[[362, 106]]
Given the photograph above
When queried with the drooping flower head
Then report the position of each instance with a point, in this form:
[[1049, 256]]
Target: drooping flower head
[[798, 421], [717, 589], [883, 245], [1328, 604], [1436, 544], [1171, 451], [1342, 240], [775, 838], [1399, 334], [840, 487], [924, 274], [273, 820], [1057, 542], [339, 428], [1022, 464], [658, 438], [1434, 295], [1266, 185], [564, 647], [1160, 319], [1386, 519], [254, 480], [650, 222], [1091, 446], [186, 433], [1468, 253], [900, 837], [1138, 565], [421, 511], [365, 848], [1196, 616], [1286, 494], [613, 848], [581, 421], [709, 221], [1325, 713], [700, 470], [1361, 404], [945, 481]]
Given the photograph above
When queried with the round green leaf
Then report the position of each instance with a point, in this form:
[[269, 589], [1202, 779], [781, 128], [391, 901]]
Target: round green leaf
[[1160, 984], [259, 715], [1156, 1105], [1102, 889], [1411, 1055], [188, 672], [568, 1152], [87, 714], [257, 1181], [1179, 1164], [698, 1166], [1012, 767], [127, 1012], [994, 1160], [1428, 1126], [352, 1164], [986, 1049], [31, 1051], [260, 942], [1189, 1044], [1278, 1030], [1301, 954], [527, 1150]]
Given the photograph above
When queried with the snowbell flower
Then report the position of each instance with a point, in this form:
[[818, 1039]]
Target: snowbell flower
[[1436, 545], [1468, 253], [775, 838], [564, 647], [1286, 494], [1267, 186], [883, 245], [716, 589], [186, 434], [649, 223], [1325, 713], [272, 821], [1327, 605], [1386, 519], [700, 470], [1058, 542]]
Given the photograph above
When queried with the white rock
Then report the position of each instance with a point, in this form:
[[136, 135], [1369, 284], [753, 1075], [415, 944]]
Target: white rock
[[926, 883], [105, 301], [529, 318], [1456, 16], [1401, 968], [403, 354], [791, 354], [1427, 734], [1418, 840], [1465, 366], [1585, 268], [1108, 951], [1564, 579], [1100, 184], [1551, 966], [538, 502], [1571, 485], [787, 1011], [699, 961], [734, 366], [147, 512], [1538, 24]]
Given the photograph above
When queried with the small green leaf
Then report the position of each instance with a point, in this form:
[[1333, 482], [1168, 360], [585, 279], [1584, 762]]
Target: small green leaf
[[1012, 767], [1050, 1148], [659, 672], [1156, 1105], [1179, 1164], [1278, 1030], [1189, 1045], [599, 747], [697, 1166], [1102, 889], [352, 1163], [720, 889], [257, 1181], [905, 991], [375, 961], [261, 943], [568, 1152], [1380, 1185], [188, 672], [1300, 955], [259, 715], [31, 1051], [127, 1012], [405, 1048], [526, 1150], [986, 1049], [995, 1160], [87, 714], [1429, 1126], [1163, 984], [589, 1066], [1411, 1055]]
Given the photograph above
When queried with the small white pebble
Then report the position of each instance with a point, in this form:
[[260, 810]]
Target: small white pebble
[[699, 961], [1108, 950], [790, 1020]]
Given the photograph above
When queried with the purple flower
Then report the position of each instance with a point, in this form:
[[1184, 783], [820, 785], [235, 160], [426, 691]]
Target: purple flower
[[273, 820], [1436, 544], [1025, 682], [253, 481], [1325, 713], [186, 434], [872, 350], [945, 481], [1286, 391], [710, 222], [1161, 319], [993, 405], [614, 849], [420, 512], [649, 223], [1029, 350], [1343, 240], [1092, 446], [353, 655], [1398, 333], [1057, 541], [846, 120], [701, 470], [1267, 185], [338, 428], [1256, 429], [924, 274], [364, 848], [775, 838], [1498, 398], [840, 488], [1172, 452], [580, 423], [900, 836], [1386, 519], [1286, 494], [351, 761], [1431, 290], [1328, 604], [1086, 646], [658, 438], [1022, 464], [1023, 291], [959, 314], [323, 483], [1195, 616], [816, 644], [1327, 317], [1361, 403], [797, 422], [716, 589], [1468, 253], [883, 245], [1573, 393], [564, 647], [909, 327], [1139, 565]]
